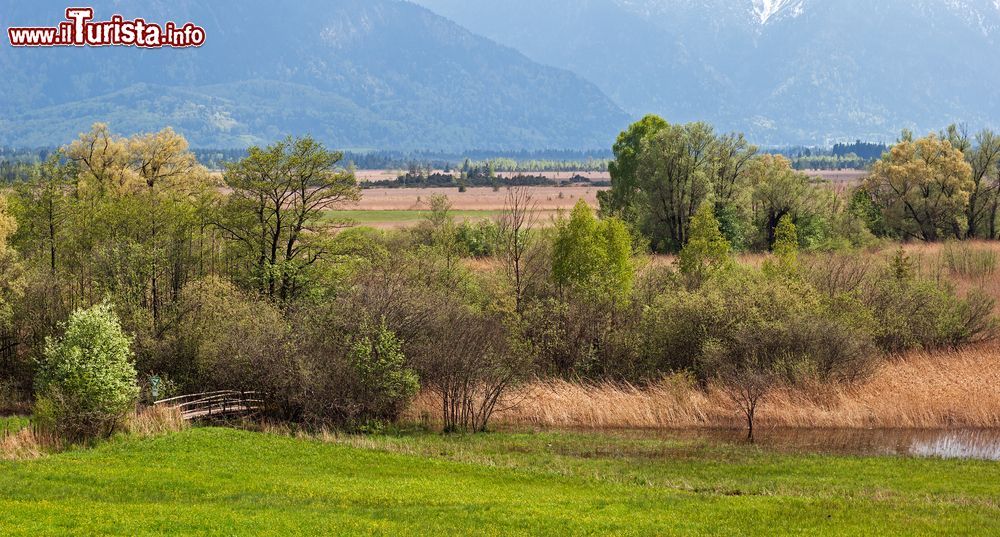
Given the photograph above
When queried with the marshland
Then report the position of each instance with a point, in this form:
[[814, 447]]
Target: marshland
[[711, 343]]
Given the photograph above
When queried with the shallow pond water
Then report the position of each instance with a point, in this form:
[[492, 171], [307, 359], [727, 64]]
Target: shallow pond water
[[983, 444]]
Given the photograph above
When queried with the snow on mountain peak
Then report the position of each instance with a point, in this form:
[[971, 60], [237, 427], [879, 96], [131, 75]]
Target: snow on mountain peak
[[765, 10]]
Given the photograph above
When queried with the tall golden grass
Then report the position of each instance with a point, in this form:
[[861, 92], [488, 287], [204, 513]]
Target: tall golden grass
[[33, 442], [154, 421], [28, 443], [958, 388]]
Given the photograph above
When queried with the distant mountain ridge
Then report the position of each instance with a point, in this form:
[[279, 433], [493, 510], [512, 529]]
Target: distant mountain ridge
[[783, 71], [354, 73]]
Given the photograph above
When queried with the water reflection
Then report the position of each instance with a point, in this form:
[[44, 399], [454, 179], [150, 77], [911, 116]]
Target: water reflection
[[981, 444]]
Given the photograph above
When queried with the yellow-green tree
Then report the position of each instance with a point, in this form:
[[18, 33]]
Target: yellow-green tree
[[593, 256], [707, 252], [785, 249], [922, 188]]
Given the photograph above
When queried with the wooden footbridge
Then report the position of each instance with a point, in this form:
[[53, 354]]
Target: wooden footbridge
[[212, 405]]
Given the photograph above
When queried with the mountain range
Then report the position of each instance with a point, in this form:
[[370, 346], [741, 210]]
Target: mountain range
[[783, 71], [517, 74], [354, 73]]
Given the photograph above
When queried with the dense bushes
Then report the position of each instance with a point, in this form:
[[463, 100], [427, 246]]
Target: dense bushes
[[907, 310], [86, 381], [746, 312]]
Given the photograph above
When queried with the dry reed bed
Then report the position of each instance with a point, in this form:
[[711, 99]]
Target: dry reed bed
[[33, 442], [921, 390]]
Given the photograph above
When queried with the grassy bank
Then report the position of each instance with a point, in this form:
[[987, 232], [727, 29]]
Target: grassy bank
[[223, 482], [919, 390]]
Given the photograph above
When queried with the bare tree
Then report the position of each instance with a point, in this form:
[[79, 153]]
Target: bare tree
[[472, 372], [746, 381], [514, 240]]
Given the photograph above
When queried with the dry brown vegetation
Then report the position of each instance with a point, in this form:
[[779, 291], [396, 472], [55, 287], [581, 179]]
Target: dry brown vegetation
[[953, 388], [32, 441], [155, 420], [28, 443], [473, 199], [919, 390]]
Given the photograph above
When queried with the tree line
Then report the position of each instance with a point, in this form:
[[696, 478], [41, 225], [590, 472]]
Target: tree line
[[944, 185]]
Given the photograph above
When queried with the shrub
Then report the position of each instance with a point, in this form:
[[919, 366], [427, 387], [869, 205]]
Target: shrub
[[753, 317], [914, 313], [386, 384], [905, 310], [86, 380], [225, 339], [707, 252], [478, 238]]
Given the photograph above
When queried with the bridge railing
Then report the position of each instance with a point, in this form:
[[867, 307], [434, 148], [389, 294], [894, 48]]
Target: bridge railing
[[221, 403]]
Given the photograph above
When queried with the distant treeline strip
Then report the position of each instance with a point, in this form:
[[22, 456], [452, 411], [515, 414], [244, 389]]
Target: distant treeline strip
[[479, 179], [16, 163]]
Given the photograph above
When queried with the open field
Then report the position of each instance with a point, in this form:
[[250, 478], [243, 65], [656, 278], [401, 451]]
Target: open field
[[402, 207], [838, 176], [477, 199], [392, 218], [226, 482]]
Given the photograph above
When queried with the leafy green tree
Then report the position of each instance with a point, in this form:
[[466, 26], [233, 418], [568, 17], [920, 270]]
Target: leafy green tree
[[274, 216], [621, 200], [618, 273], [442, 234], [778, 190], [593, 256], [577, 249], [984, 197], [86, 380], [786, 247], [44, 208], [676, 169], [10, 268], [707, 251]]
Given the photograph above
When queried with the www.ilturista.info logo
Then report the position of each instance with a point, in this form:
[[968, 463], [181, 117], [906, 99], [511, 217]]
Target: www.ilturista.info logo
[[80, 30]]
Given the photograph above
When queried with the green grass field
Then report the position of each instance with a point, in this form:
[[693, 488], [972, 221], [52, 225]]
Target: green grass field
[[210, 481]]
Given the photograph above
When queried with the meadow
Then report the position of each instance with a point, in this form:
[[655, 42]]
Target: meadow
[[212, 481], [404, 207]]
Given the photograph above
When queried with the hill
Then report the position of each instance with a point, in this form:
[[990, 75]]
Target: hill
[[354, 73]]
